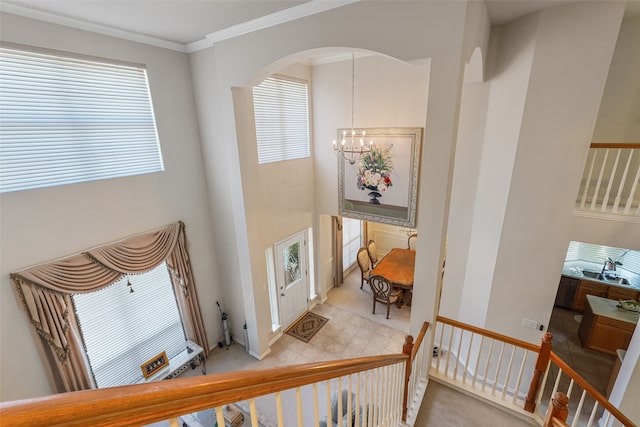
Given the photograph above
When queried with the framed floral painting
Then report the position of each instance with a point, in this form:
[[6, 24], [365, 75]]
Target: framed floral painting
[[382, 184]]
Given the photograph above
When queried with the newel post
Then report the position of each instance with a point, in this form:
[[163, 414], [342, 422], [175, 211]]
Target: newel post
[[407, 349], [557, 409], [541, 366]]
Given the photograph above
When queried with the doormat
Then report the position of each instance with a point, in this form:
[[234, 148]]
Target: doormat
[[307, 326]]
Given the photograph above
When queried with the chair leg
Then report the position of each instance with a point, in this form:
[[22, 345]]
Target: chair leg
[[388, 307], [361, 282], [374, 305]]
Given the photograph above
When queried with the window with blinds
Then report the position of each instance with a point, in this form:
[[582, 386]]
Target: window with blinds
[[281, 110], [351, 241], [128, 323], [66, 120]]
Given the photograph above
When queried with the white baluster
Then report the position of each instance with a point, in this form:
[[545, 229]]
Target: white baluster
[[349, 403], [455, 369], [299, 405], [440, 347], [557, 383], [506, 380], [358, 406], [576, 415], [466, 368], [519, 380], [593, 414], [588, 181], [339, 420], [220, 416], [278, 409], [570, 388], [597, 189], [253, 412], [623, 181], [543, 384], [449, 353], [495, 377], [329, 420], [477, 367], [632, 193], [605, 200], [486, 365], [316, 410]]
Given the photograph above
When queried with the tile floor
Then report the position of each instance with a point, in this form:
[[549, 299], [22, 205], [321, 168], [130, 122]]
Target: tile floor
[[593, 366], [354, 331]]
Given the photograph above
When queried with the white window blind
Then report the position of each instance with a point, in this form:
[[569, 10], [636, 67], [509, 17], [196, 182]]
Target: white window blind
[[281, 112], [124, 329], [68, 120]]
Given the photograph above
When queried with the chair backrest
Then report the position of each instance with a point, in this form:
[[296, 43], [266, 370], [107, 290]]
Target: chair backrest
[[412, 241], [380, 287], [371, 248], [363, 260]]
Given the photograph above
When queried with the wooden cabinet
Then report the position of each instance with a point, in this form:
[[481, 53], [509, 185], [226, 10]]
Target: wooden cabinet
[[604, 334], [620, 293], [585, 288]]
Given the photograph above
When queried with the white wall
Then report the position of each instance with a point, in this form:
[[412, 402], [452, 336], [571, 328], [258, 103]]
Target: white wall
[[40, 225], [619, 115], [408, 31], [566, 82]]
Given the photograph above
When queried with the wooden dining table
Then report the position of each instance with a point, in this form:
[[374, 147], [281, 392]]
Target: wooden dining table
[[397, 267]]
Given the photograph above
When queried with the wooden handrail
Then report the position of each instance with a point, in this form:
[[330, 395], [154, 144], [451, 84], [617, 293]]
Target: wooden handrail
[[632, 145], [147, 403], [489, 334], [418, 341], [602, 401]]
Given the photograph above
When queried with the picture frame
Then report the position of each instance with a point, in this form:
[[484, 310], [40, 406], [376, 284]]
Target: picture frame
[[389, 197], [154, 365]]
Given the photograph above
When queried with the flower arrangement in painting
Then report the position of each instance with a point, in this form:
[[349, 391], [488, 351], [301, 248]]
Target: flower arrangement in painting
[[374, 172]]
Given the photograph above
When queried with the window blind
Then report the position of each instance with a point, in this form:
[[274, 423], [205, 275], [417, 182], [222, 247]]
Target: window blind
[[123, 329], [351, 241], [68, 120], [281, 110]]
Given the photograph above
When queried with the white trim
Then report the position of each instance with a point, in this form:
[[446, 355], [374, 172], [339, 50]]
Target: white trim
[[88, 26], [277, 18], [291, 14], [607, 216]]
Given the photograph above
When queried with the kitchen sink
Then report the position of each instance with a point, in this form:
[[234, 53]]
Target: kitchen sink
[[616, 279], [593, 274]]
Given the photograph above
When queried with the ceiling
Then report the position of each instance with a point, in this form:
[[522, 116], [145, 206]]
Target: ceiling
[[187, 25]]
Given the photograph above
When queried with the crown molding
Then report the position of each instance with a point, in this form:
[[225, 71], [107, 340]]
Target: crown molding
[[301, 11], [88, 26]]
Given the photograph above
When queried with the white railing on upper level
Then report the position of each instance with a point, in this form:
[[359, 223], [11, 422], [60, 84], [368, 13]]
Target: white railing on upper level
[[610, 182]]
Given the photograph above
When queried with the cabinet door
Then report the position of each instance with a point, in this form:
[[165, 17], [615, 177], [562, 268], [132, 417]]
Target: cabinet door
[[588, 288], [619, 293], [608, 338]]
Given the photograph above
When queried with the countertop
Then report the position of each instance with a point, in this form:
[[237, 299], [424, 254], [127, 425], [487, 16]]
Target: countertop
[[607, 308], [575, 269]]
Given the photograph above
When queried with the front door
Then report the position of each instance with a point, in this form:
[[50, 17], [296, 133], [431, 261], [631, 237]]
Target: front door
[[292, 278]]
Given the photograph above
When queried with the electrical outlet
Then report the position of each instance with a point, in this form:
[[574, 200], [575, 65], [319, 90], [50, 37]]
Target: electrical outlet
[[528, 323]]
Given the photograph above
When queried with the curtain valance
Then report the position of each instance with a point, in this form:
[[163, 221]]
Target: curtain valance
[[45, 292]]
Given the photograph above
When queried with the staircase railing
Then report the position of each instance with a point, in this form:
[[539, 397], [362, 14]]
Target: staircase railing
[[514, 374], [610, 181], [416, 377], [584, 405], [375, 390]]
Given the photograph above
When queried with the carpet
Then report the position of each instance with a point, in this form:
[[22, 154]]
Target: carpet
[[307, 326]]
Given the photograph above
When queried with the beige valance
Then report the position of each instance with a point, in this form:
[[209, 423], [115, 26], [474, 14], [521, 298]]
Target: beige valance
[[45, 292]]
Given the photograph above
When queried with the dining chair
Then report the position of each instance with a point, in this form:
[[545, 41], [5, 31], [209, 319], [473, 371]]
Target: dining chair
[[383, 292], [412, 241], [365, 266], [373, 255]]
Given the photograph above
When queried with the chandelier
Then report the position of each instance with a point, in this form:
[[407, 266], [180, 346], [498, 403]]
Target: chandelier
[[352, 145]]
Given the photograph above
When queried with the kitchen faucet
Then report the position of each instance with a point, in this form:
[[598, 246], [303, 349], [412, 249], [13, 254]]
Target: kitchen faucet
[[609, 265]]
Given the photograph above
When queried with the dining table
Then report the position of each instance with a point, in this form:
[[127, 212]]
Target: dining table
[[397, 267]]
